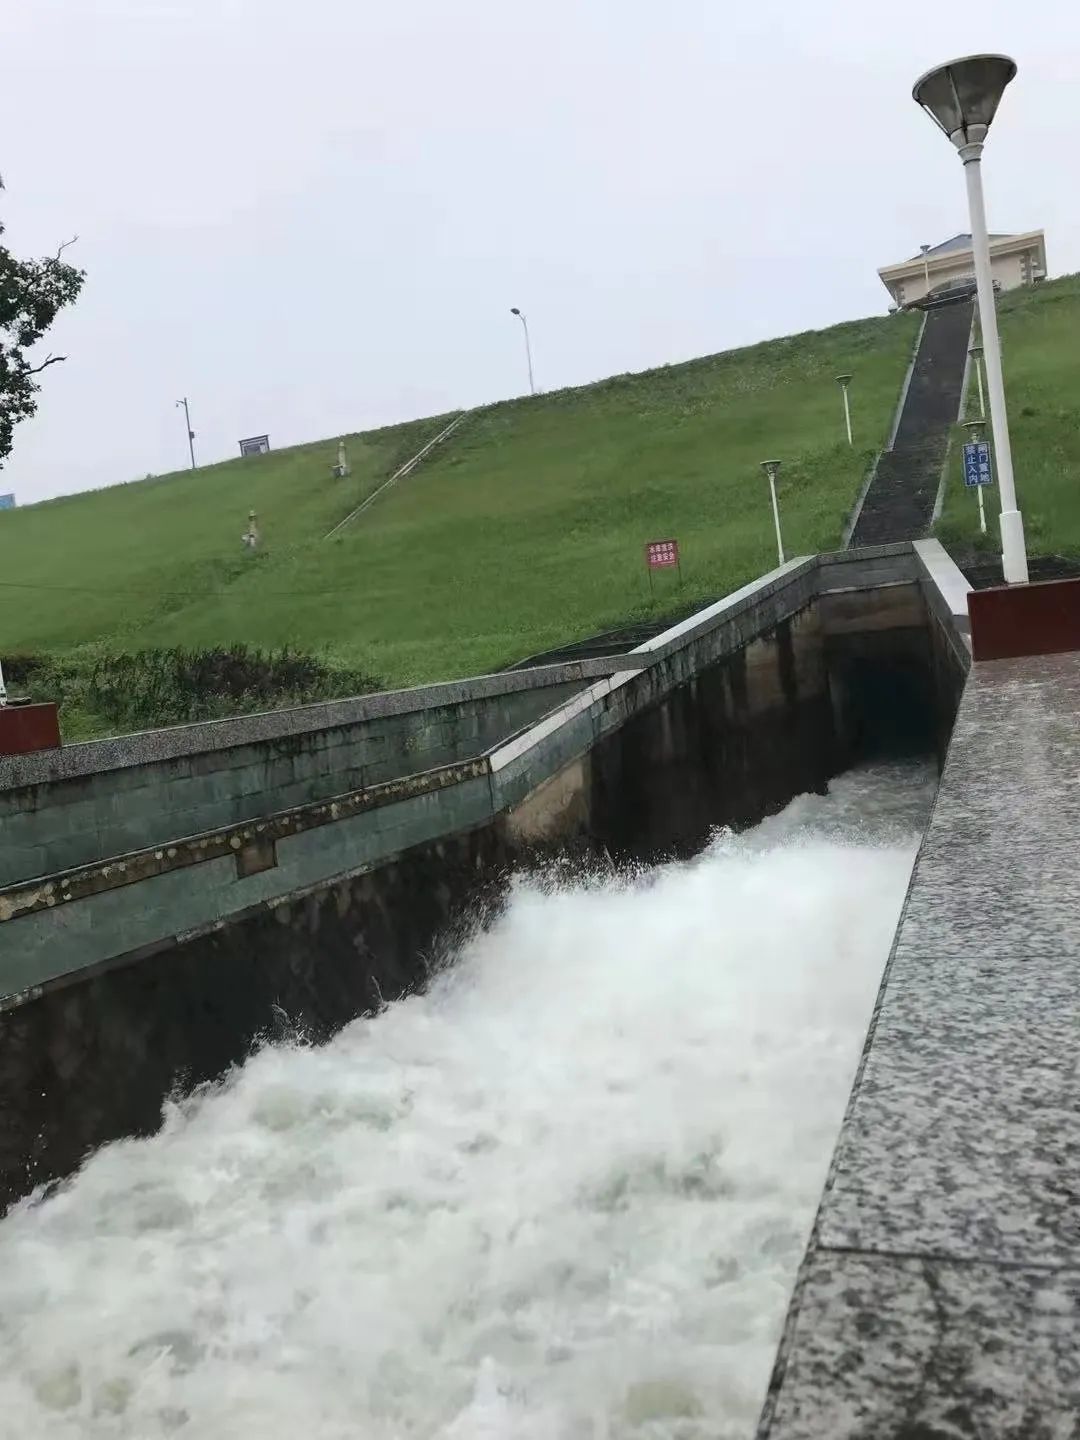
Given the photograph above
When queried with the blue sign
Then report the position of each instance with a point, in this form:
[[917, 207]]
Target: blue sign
[[7, 502], [977, 468]]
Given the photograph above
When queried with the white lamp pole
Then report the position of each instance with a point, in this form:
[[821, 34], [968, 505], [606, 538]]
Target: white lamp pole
[[771, 467], [925, 267], [528, 348], [187, 427], [844, 381], [962, 98], [976, 354]]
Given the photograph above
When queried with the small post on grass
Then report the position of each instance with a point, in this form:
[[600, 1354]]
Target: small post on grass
[[975, 431], [771, 467], [3, 687], [844, 381]]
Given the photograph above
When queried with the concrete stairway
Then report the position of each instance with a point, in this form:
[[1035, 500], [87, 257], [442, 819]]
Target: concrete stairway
[[899, 504]]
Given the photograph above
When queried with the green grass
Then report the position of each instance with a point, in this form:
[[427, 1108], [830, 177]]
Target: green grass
[[1041, 360], [114, 564], [526, 531]]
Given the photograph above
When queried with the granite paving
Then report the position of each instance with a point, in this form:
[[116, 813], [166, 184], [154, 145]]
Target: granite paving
[[940, 1295]]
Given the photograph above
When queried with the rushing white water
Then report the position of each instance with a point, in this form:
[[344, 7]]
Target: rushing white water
[[562, 1196]]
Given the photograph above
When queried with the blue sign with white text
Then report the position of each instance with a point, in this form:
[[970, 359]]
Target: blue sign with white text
[[977, 468]]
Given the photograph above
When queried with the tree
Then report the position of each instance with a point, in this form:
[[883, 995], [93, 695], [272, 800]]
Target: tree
[[31, 293]]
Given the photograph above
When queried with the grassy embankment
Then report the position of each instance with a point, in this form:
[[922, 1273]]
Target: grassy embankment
[[1040, 346], [527, 531]]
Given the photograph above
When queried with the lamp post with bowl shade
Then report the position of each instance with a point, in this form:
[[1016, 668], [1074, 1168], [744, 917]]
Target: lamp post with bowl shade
[[962, 97]]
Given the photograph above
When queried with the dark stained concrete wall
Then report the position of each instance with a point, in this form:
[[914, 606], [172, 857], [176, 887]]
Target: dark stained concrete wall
[[87, 1062], [726, 748]]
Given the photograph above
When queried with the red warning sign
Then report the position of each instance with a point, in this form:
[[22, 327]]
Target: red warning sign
[[661, 554]]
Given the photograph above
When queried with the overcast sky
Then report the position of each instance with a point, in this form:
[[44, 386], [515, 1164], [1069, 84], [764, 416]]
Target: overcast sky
[[313, 217]]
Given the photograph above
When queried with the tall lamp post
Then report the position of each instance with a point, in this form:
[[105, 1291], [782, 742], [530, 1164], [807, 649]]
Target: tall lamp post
[[925, 266], [190, 432], [976, 353], [844, 381], [962, 97], [771, 467], [528, 348]]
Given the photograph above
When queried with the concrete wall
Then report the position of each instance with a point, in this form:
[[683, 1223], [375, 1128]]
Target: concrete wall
[[727, 747], [88, 802], [85, 1063], [121, 976]]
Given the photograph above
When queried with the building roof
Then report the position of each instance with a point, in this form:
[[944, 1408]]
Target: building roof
[[958, 242], [942, 259]]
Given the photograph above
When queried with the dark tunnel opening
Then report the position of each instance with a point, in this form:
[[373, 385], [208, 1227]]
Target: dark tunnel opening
[[885, 706]]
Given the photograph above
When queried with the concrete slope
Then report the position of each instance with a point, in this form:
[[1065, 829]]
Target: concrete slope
[[899, 504]]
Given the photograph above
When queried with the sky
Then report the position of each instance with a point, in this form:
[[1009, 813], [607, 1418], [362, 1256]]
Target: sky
[[312, 219]]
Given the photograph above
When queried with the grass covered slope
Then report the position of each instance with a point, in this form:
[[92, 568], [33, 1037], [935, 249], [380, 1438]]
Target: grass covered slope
[[1040, 347], [525, 531], [528, 529], [111, 564]]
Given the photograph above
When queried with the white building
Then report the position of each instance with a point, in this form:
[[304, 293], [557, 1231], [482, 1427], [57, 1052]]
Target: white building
[[1015, 260]]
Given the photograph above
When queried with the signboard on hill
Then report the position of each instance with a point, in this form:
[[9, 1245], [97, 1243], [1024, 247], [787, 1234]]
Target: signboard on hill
[[255, 445], [7, 502], [662, 554], [977, 469]]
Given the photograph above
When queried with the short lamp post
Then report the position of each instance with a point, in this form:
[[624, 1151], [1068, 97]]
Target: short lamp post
[[976, 353], [962, 98], [844, 381], [771, 467], [975, 430]]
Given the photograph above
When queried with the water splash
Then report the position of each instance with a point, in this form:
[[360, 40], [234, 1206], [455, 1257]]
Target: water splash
[[562, 1196]]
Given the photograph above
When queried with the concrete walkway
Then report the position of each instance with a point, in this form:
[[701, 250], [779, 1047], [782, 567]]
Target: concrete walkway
[[940, 1296]]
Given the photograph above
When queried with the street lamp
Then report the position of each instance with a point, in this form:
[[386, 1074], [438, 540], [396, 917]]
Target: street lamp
[[925, 266], [528, 348], [771, 467], [976, 353], [844, 381], [190, 432], [962, 97]]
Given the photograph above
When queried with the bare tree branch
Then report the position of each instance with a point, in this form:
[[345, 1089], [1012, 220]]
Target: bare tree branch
[[49, 360], [64, 246]]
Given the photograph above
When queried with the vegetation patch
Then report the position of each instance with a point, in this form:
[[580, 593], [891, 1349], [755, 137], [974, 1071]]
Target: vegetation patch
[[103, 693], [1041, 361]]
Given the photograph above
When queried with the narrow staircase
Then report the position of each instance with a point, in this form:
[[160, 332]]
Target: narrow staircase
[[899, 505]]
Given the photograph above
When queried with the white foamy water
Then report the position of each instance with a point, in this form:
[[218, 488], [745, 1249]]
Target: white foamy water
[[562, 1196]]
